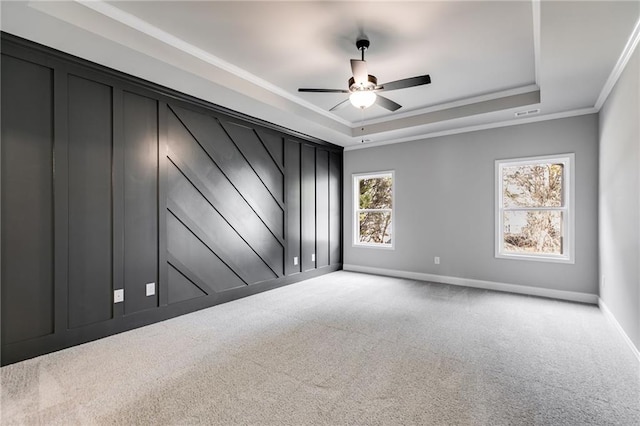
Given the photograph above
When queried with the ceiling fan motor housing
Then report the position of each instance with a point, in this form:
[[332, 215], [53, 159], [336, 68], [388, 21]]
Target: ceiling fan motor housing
[[371, 84], [362, 44]]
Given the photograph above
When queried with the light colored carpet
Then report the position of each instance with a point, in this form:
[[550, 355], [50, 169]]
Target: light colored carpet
[[346, 348]]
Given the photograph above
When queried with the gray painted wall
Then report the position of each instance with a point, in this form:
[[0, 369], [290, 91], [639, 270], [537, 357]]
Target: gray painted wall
[[445, 197], [620, 200]]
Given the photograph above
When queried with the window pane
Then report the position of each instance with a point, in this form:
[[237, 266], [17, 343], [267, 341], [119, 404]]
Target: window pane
[[375, 227], [533, 232], [375, 193], [533, 185]]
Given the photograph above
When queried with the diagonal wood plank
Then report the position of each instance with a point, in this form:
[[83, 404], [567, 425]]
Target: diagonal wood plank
[[216, 143], [249, 228], [175, 263], [181, 288], [275, 145], [258, 158], [198, 258], [207, 178], [206, 223]]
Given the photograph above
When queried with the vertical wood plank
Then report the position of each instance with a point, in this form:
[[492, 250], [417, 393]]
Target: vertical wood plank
[[61, 199], [118, 197], [141, 201], [308, 207], [293, 203], [90, 234], [163, 148], [27, 200], [335, 208], [322, 208]]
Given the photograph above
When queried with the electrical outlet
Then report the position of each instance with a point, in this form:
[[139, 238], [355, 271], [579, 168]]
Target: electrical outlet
[[151, 289], [313, 257], [118, 296], [295, 260], [436, 260]]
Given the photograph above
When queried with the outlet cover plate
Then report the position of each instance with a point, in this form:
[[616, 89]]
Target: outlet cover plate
[[151, 289], [295, 260], [118, 295]]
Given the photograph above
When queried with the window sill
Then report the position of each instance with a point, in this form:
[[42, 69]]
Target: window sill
[[374, 246], [534, 258]]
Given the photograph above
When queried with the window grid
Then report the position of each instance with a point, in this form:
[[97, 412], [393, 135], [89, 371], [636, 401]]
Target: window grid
[[357, 178], [565, 209]]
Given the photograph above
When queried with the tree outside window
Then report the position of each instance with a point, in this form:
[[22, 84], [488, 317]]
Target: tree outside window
[[534, 215], [373, 209]]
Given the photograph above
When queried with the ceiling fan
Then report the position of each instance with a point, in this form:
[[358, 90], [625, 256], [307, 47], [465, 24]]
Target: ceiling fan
[[364, 88]]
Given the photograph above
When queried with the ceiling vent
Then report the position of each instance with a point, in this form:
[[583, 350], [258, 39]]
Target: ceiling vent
[[529, 112]]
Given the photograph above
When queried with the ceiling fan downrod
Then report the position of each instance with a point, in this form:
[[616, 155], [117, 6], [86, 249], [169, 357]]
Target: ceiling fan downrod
[[362, 45]]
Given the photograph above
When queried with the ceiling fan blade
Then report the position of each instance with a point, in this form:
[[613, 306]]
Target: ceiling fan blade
[[360, 73], [324, 90], [387, 103], [404, 83], [341, 105]]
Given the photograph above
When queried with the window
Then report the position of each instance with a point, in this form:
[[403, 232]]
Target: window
[[373, 209], [534, 214]]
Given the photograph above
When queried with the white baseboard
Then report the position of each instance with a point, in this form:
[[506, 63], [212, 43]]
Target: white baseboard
[[487, 285], [609, 315]]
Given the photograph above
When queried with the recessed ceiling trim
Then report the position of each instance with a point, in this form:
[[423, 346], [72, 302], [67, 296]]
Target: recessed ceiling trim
[[493, 105], [238, 93], [624, 58], [495, 125], [455, 104], [152, 31]]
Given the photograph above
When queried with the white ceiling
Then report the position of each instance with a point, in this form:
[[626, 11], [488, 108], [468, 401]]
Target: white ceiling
[[487, 60]]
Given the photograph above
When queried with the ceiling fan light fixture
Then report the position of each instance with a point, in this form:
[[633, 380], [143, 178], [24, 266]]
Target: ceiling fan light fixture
[[362, 98], [362, 85]]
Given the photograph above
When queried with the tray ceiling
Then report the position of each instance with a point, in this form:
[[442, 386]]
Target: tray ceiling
[[487, 60]]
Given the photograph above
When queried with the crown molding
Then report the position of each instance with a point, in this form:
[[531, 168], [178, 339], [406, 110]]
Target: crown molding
[[626, 54], [495, 125]]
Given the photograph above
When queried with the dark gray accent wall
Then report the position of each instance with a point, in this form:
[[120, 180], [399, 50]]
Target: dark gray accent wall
[[27, 200], [110, 182], [619, 200], [90, 220], [445, 204]]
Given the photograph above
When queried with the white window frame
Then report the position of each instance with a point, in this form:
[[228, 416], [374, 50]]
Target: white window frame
[[568, 216], [355, 188]]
